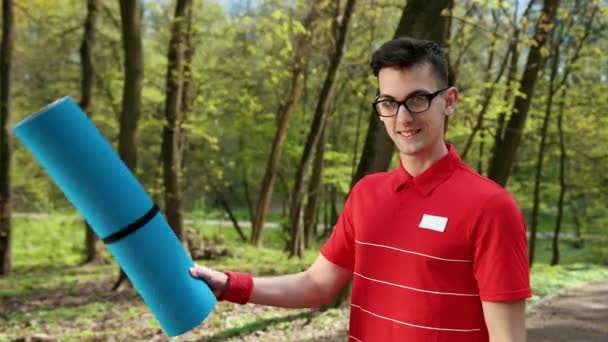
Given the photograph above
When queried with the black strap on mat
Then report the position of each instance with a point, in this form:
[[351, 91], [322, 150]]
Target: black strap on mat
[[140, 222]]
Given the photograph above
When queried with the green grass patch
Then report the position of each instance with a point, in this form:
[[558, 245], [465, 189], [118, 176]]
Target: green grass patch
[[547, 279], [249, 325], [577, 267], [54, 315], [269, 259], [46, 279], [52, 242]]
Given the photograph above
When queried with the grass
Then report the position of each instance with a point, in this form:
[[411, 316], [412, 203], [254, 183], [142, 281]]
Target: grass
[[47, 255], [56, 314], [51, 242], [548, 279], [268, 260]]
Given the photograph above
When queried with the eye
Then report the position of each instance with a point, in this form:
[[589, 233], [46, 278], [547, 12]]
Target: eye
[[417, 101], [388, 104]]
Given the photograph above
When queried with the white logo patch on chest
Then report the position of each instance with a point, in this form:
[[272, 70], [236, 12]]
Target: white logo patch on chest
[[432, 222]]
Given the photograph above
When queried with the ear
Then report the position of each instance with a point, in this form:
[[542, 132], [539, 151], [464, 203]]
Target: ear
[[451, 98]]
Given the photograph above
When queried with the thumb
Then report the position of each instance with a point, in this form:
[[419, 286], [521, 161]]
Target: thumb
[[200, 272]]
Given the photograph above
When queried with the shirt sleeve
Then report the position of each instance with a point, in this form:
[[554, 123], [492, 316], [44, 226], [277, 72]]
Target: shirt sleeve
[[500, 251], [340, 247]]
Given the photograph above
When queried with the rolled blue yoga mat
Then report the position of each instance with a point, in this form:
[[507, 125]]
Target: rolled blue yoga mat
[[92, 176]]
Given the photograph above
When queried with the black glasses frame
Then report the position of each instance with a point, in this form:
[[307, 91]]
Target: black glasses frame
[[403, 103]]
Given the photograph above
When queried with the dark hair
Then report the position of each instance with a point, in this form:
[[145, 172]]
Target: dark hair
[[406, 52]]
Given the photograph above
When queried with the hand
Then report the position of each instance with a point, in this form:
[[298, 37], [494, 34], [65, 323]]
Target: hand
[[216, 280]]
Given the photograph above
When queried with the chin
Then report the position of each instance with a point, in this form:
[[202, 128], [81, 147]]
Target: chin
[[410, 147], [411, 150]]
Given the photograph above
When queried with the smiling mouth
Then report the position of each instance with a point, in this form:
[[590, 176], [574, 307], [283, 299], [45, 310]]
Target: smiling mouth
[[409, 132]]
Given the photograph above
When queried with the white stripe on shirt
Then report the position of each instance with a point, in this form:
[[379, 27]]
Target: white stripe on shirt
[[410, 252], [409, 324], [416, 289]]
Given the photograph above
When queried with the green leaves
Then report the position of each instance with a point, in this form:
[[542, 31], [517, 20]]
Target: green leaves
[[241, 73]]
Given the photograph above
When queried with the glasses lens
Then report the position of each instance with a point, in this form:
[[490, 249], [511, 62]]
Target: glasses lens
[[416, 104], [387, 107]]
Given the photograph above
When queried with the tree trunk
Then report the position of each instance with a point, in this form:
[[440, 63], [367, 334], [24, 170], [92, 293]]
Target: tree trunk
[[296, 242], [5, 142], [245, 181], [561, 35], [186, 97], [538, 175], [131, 17], [511, 79], [513, 50], [555, 258], [93, 245], [420, 19], [505, 150], [578, 242], [562, 181], [173, 117], [481, 150], [302, 51], [311, 211], [233, 219]]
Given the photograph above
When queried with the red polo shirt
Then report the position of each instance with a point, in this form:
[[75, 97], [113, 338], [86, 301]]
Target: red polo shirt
[[426, 251]]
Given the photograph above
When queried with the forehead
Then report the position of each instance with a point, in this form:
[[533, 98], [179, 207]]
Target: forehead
[[400, 82]]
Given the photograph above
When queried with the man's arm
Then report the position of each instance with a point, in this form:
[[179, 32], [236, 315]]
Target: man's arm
[[506, 321], [309, 289]]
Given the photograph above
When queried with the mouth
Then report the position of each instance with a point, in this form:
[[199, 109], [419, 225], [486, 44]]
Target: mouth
[[409, 132]]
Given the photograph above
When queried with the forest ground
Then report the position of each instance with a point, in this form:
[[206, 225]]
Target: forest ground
[[94, 314], [52, 296]]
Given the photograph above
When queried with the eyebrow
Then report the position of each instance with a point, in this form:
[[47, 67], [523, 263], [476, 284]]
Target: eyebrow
[[413, 93]]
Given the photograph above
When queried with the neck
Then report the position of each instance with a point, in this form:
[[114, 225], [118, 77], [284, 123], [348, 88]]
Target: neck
[[418, 163]]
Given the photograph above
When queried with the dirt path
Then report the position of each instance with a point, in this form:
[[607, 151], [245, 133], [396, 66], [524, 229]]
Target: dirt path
[[580, 314]]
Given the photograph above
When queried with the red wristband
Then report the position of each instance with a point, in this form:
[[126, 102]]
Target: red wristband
[[238, 287]]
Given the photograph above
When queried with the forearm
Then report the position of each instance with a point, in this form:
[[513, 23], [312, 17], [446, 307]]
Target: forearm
[[288, 291], [309, 289], [506, 321]]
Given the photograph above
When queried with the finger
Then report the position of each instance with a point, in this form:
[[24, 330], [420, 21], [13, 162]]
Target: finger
[[200, 272], [206, 276]]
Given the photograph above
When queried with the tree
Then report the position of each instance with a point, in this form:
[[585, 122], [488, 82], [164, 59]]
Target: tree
[[553, 87], [562, 181], [5, 143], [130, 15], [301, 52], [488, 92], [87, 63], [508, 141], [420, 19], [311, 211], [173, 118], [296, 243]]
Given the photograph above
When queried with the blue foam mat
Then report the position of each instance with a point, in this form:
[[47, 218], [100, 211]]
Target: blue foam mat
[[92, 176]]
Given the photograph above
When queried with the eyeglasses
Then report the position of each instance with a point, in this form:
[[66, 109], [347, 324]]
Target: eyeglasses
[[414, 104]]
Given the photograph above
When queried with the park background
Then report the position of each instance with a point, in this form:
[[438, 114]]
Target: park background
[[248, 122]]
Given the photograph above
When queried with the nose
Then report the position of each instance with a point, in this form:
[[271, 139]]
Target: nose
[[403, 114]]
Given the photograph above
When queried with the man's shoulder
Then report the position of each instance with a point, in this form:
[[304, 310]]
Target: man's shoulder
[[373, 180], [479, 185]]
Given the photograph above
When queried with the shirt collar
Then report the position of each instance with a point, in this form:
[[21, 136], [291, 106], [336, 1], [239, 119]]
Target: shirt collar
[[430, 178]]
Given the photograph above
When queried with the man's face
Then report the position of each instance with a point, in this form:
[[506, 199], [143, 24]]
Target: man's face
[[418, 134]]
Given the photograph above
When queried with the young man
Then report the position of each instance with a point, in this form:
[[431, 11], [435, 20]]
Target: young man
[[436, 252]]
